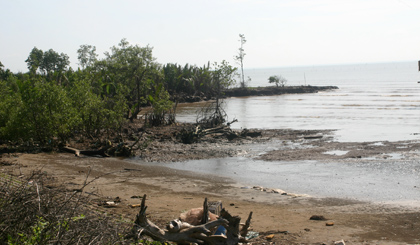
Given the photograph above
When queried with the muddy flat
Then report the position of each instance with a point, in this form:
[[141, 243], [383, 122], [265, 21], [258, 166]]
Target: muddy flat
[[170, 191]]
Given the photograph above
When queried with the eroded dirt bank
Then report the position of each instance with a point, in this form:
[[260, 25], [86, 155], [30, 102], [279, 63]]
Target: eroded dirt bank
[[171, 192]]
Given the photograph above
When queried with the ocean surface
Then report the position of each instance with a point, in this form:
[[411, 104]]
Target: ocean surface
[[374, 102]]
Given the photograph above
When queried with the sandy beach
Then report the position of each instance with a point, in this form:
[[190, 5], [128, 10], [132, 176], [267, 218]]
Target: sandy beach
[[170, 192]]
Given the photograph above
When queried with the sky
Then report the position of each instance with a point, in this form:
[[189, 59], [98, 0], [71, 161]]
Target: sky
[[279, 33]]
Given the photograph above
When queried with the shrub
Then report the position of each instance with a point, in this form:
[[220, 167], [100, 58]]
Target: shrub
[[33, 213]]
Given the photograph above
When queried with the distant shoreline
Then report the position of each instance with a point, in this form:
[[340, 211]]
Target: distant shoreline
[[259, 91], [273, 90]]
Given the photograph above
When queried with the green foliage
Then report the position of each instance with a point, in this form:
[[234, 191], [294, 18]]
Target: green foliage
[[160, 100], [86, 55], [9, 103], [91, 116], [134, 68], [178, 78], [43, 231], [278, 80], [45, 113], [203, 81], [161, 107], [31, 213], [223, 75], [42, 111], [54, 62], [34, 60], [4, 74], [49, 63], [36, 237], [52, 101]]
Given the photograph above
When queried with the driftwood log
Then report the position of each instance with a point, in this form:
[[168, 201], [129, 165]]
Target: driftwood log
[[106, 151], [77, 152], [185, 233]]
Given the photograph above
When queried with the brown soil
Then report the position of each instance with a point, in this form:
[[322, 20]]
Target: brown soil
[[170, 192]]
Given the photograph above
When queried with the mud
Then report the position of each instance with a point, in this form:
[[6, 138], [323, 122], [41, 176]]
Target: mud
[[287, 217], [272, 145]]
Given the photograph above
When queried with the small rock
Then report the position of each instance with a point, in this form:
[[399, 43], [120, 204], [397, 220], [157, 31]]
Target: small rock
[[269, 237], [317, 217], [329, 224]]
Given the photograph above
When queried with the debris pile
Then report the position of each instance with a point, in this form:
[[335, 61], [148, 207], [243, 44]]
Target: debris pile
[[197, 225]]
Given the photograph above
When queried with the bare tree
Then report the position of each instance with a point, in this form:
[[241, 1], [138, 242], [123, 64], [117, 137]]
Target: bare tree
[[240, 58]]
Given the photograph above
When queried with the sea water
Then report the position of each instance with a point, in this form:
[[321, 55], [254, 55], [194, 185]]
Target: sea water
[[374, 102]]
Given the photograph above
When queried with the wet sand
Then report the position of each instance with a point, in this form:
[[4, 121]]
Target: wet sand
[[393, 180], [172, 191]]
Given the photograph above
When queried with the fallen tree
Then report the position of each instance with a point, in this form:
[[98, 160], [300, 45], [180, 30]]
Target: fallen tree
[[185, 233], [192, 135]]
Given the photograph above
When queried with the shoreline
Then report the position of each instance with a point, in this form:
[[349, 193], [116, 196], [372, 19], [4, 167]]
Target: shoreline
[[321, 179], [258, 91], [172, 191], [276, 90]]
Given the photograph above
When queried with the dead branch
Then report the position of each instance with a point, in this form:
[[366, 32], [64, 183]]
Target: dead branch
[[205, 217], [194, 234], [77, 152], [232, 231], [233, 121], [244, 230], [190, 136], [185, 233]]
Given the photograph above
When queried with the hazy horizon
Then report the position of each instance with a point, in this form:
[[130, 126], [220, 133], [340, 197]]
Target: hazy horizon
[[284, 33]]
